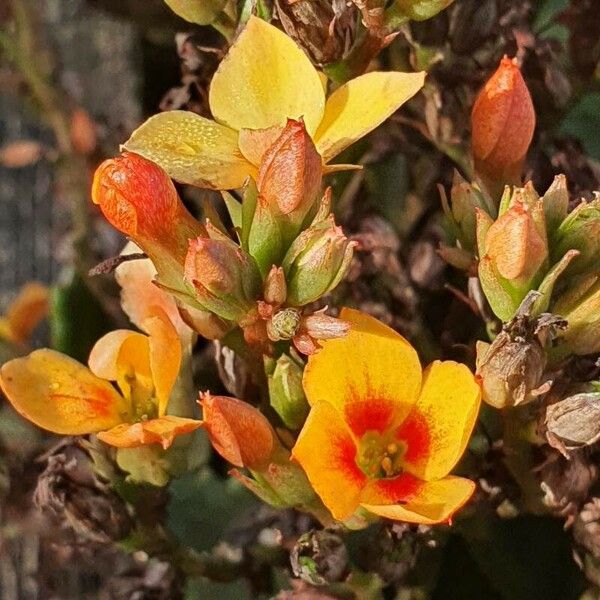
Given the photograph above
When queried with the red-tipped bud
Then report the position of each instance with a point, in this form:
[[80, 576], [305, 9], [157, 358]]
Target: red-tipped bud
[[240, 433], [139, 199], [290, 174], [503, 121], [225, 279]]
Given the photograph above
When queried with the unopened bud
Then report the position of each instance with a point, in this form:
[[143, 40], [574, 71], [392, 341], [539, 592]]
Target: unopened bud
[[275, 288], [225, 279], [286, 393], [580, 306], [581, 231], [139, 199], [240, 433], [503, 122], [556, 204], [316, 262], [290, 174], [284, 324]]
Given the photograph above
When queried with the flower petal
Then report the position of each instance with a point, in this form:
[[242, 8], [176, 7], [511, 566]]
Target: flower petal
[[439, 427], [254, 143], [264, 80], [371, 376], [434, 502], [326, 451], [139, 294], [165, 355], [360, 105], [192, 149], [26, 311], [60, 394], [161, 431]]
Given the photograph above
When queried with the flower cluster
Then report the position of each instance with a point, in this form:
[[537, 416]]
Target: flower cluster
[[356, 433]]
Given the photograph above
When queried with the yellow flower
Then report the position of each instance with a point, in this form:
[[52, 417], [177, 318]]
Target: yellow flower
[[25, 313], [61, 395], [264, 80], [381, 434]]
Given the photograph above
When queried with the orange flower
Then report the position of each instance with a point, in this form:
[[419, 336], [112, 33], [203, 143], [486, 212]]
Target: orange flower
[[25, 313], [503, 122], [61, 395], [381, 435]]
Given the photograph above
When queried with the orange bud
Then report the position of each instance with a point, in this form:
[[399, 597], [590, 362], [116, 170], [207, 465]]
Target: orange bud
[[240, 433], [503, 121], [515, 244], [275, 288], [139, 199], [290, 174]]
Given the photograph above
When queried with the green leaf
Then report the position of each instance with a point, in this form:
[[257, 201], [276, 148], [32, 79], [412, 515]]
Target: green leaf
[[202, 12], [234, 208], [203, 506]]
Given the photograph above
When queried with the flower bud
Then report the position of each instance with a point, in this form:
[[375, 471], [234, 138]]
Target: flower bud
[[240, 433], [275, 288], [580, 306], [284, 324], [316, 262], [289, 177], [139, 199], [556, 205], [503, 122], [225, 279], [286, 393], [516, 245], [581, 231]]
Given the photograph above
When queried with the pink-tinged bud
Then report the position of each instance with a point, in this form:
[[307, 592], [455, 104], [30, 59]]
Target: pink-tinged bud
[[240, 433], [503, 122], [139, 199], [316, 262], [290, 173], [225, 279], [275, 288], [516, 245]]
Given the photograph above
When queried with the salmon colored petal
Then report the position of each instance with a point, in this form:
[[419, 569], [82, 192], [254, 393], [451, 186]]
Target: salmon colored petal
[[192, 149], [165, 355], [372, 375], [438, 428], [27, 310], [254, 143], [60, 394], [264, 80], [360, 105], [326, 451], [139, 294], [161, 431], [435, 502]]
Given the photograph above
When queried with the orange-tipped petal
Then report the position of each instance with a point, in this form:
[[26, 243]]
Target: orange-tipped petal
[[326, 450], [165, 355], [438, 428], [161, 431], [433, 502], [60, 394], [240, 433], [372, 375]]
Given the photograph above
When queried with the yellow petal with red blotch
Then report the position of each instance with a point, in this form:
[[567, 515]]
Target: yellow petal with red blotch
[[161, 431], [139, 294], [165, 355], [192, 149], [26, 311], [60, 394], [434, 502], [265, 79], [372, 375], [326, 450], [254, 143], [360, 105], [438, 428]]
